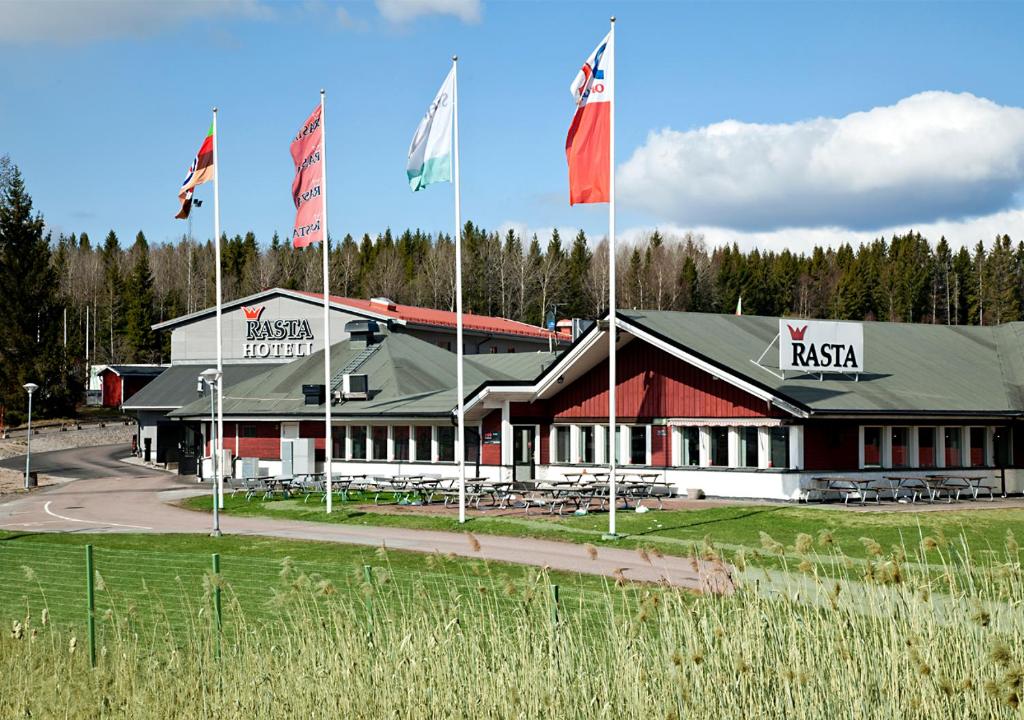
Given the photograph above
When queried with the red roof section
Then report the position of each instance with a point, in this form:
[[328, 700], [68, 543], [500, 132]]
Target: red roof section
[[443, 318]]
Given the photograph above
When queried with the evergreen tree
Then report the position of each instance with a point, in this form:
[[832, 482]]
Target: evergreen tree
[[576, 304], [1001, 304], [113, 295], [688, 291], [143, 345], [30, 336], [976, 287]]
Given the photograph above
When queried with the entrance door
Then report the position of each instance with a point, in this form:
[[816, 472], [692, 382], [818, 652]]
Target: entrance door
[[190, 447], [523, 439]]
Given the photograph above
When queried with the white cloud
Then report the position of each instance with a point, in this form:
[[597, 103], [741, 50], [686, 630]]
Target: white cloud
[[929, 156], [348, 21], [29, 21], [400, 11], [958, 233]]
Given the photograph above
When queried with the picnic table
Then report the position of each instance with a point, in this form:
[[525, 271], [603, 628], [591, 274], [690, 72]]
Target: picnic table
[[972, 484], [341, 484], [641, 488], [477, 488], [844, 487], [559, 494]]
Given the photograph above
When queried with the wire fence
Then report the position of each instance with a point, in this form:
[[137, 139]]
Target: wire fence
[[86, 589]]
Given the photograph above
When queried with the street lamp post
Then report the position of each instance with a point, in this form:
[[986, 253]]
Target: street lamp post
[[29, 388], [212, 377]]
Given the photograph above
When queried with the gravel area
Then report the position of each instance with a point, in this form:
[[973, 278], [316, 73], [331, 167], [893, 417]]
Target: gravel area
[[55, 439], [12, 481]]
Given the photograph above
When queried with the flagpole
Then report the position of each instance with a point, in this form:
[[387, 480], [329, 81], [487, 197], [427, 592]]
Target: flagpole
[[325, 246], [611, 289], [461, 441], [218, 471]]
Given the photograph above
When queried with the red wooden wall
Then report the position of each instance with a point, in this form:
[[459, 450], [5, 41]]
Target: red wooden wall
[[266, 445], [545, 444], [661, 445], [654, 384], [831, 446], [110, 385]]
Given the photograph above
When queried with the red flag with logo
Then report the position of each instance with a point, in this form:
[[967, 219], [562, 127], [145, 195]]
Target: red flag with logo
[[588, 145], [307, 193]]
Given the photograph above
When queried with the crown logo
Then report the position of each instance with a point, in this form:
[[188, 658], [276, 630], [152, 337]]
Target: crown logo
[[252, 313], [797, 333]]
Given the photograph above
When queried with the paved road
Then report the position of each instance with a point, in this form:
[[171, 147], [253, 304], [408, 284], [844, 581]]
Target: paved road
[[128, 498], [87, 462]]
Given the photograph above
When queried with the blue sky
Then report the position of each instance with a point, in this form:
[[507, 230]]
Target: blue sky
[[771, 124]]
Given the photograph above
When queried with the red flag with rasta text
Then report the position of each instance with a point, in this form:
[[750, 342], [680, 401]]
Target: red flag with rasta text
[[307, 191], [588, 145]]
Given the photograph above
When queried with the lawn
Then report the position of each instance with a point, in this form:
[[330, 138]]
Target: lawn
[[727, 528], [168, 577], [465, 644]]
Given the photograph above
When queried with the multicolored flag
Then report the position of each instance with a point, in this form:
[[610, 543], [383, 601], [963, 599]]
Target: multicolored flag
[[588, 145], [307, 190], [201, 171], [430, 153]]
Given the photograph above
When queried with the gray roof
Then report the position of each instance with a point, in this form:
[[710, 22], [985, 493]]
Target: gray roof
[[176, 386], [408, 377], [136, 370], [910, 368]]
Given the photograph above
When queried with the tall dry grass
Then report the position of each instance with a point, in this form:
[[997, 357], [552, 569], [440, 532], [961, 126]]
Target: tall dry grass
[[888, 640]]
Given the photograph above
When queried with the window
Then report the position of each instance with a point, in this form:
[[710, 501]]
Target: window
[[977, 446], [779, 441], [748, 447], [446, 443], [358, 435], [562, 444], [587, 444], [719, 446], [400, 434], [424, 435], [638, 444], [338, 441], [248, 431], [953, 437], [899, 437], [872, 447], [471, 443], [689, 441], [926, 447], [379, 442]]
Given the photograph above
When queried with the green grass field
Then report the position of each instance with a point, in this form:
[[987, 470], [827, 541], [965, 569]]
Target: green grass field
[[166, 578], [729, 528], [432, 638]]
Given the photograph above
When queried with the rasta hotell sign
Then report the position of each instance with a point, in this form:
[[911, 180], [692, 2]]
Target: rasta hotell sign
[[820, 346], [275, 338]]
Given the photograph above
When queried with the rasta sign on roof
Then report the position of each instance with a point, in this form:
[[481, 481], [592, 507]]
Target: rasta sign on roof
[[821, 346]]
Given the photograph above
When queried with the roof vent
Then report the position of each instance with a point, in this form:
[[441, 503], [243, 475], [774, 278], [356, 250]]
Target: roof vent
[[314, 394], [386, 302], [362, 331], [355, 386]]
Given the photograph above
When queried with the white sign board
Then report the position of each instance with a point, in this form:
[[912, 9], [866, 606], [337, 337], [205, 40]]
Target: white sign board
[[818, 346]]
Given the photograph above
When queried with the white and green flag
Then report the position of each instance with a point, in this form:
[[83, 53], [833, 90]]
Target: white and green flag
[[430, 154]]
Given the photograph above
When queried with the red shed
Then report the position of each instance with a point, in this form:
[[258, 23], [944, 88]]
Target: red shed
[[120, 382]]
